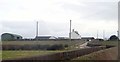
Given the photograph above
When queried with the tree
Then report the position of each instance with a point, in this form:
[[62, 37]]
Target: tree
[[113, 38]]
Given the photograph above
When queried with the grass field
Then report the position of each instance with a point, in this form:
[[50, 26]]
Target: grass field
[[115, 43], [110, 43], [0, 55], [21, 54], [12, 54], [70, 44], [40, 42]]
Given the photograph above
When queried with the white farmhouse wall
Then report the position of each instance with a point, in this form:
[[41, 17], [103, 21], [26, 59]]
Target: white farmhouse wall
[[75, 35]]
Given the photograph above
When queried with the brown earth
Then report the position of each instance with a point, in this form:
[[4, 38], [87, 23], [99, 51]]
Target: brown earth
[[107, 54]]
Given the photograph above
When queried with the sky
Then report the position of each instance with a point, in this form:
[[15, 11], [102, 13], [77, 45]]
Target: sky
[[89, 17]]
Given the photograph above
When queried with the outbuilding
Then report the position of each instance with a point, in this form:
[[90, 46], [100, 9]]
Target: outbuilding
[[45, 37], [87, 38], [74, 35], [10, 37]]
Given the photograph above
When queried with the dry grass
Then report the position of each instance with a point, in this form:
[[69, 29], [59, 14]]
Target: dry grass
[[24, 53], [40, 42]]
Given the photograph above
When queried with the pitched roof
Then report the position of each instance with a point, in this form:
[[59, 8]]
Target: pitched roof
[[43, 37], [77, 32]]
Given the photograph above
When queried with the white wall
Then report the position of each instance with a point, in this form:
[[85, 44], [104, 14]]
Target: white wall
[[75, 36]]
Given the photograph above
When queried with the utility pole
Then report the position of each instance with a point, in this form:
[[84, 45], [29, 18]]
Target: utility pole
[[70, 30], [103, 34], [118, 34], [36, 28], [97, 34]]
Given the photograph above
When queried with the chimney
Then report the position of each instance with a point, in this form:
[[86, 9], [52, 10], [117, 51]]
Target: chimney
[[73, 30]]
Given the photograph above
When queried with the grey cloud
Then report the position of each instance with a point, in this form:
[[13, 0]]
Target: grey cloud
[[28, 28], [94, 10]]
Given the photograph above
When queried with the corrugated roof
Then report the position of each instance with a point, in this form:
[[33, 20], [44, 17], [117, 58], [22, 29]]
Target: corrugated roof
[[12, 34], [43, 37]]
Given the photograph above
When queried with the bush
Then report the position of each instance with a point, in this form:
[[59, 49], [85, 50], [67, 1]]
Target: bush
[[66, 45], [56, 47], [34, 47]]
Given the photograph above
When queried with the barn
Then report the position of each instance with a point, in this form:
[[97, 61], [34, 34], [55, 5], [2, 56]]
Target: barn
[[87, 38], [10, 37]]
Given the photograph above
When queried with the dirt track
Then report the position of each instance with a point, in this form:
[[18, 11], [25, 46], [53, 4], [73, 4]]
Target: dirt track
[[107, 54]]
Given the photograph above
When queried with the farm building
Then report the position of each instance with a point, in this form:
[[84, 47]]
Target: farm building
[[10, 37], [63, 38], [75, 35], [87, 38], [45, 37]]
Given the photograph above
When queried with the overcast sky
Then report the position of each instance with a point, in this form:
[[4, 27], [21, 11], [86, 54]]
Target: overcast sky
[[88, 17]]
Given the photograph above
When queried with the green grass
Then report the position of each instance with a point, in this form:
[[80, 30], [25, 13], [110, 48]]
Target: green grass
[[109, 43], [0, 55], [115, 43], [24, 53], [20, 54]]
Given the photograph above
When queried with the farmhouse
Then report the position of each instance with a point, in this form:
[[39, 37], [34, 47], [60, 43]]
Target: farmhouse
[[10, 37], [45, 37], [75, 35]]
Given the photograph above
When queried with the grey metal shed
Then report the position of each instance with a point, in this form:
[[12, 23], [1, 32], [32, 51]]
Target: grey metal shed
[[10, 37]]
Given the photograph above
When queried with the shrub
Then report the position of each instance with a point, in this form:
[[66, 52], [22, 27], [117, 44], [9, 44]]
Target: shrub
[[34, 47]]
